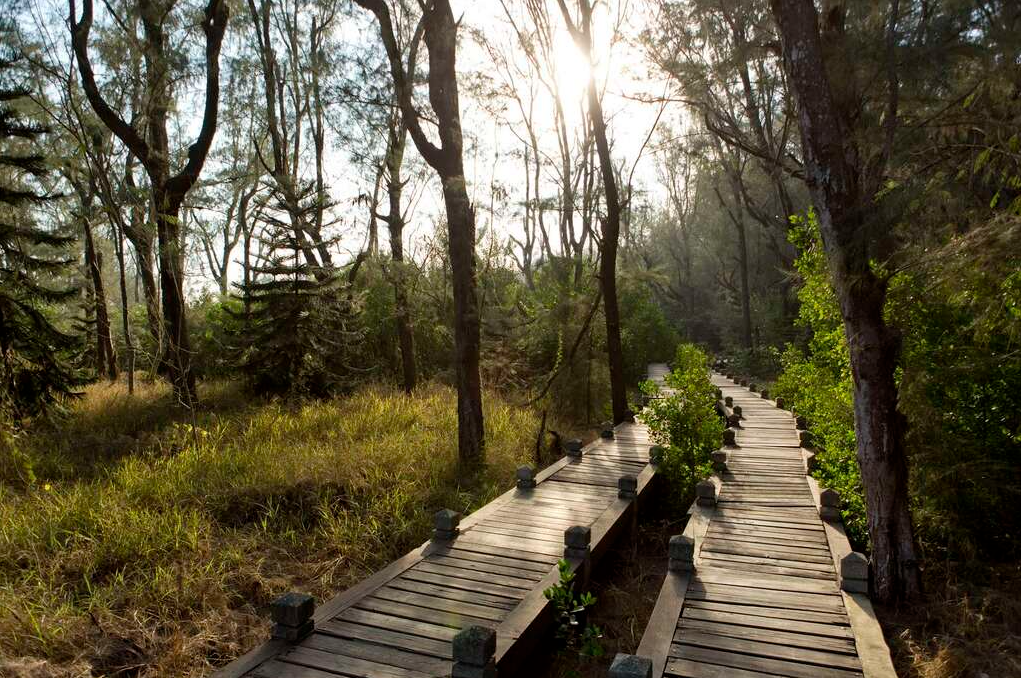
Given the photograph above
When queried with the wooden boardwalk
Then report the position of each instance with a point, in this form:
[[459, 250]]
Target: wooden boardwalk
[[400, 622], [759, 593]]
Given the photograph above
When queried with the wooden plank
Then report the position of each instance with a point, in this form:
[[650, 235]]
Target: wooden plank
[[423, 614], [539, 568], [773, 667], [400, 624], [483, 566], [398, 595], [735, 629], [343, 665], [808, 629], [820, 658], [685, 668], [451, 593], [387, 655], [469, 580], [764, 598], [771, 612], [372, 634]]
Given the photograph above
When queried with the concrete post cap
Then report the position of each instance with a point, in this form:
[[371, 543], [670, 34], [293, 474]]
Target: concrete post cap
[[630, 666]]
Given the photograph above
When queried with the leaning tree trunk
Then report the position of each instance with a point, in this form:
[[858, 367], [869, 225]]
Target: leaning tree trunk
[[834, 176]]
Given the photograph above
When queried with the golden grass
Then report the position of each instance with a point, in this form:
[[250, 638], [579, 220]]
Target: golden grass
[[152, 545], [968, 626]]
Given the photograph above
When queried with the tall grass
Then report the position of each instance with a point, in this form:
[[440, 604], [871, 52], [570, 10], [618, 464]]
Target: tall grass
[[158, 543]]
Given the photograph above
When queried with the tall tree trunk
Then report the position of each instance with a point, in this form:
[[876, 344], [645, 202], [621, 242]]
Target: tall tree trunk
[[396, 143], [611, 224], [440, 33], [153, 150], [171, 257], [835, 178], [106, 356], [129, 343]]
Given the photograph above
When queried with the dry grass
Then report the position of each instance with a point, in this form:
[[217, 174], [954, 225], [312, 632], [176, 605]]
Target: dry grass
[[969, 626], [150, 546]]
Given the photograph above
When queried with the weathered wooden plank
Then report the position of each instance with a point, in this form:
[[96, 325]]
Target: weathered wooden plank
[[451, 593], [345, 665], [425, 614], [774, 667], [691, 637], [439, 603], [736, 629], [807, 629], [391, 622], [836, 618], [387, 655], [455, 577], [539, 569], [342, 629]]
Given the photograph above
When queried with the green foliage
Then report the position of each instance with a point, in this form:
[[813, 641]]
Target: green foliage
[[299, 325], [37, 357], [961, 316], [818, 385], [685, 423], [571, 611]]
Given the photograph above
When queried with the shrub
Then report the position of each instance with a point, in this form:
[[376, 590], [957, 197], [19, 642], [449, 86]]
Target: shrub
[[685, 423]]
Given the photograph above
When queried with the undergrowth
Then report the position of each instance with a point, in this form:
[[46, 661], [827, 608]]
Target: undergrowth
[[149, 545]]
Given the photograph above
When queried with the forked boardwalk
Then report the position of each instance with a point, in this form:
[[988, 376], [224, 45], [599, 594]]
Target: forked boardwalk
[[489, 570], [754, 588]]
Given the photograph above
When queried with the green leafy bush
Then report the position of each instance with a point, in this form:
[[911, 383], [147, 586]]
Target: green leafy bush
[[817, 384], [685, 423]]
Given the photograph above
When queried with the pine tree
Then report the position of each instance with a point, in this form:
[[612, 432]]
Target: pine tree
[[301, 332], [37, 359]]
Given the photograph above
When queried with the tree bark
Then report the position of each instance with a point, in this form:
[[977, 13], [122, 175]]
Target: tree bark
[[396, 143], [611, 224], [835, 178], [153, 150], [440, 33], [106, 356]]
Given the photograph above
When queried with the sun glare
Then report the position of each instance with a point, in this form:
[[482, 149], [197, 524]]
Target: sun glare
[[571, 69]]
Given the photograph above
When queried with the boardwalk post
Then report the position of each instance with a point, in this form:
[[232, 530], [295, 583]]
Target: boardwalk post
[[729, 438], [292, 616], [765, 394], [801, 423], [805, 439], [681, 554], [574, 448], [630, 666], [734, 421], [526, 477], [577, 551], [606, 430], [474, 652], [738, 411], [829, 505], [627, 487], [854, 573], [445, 525], [729, 401], [705, 493], [719, 458], [753, 387], [780, 403], [656, 454]]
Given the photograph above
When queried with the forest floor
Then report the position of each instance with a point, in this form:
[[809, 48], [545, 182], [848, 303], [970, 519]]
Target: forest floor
[[137, 543]]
